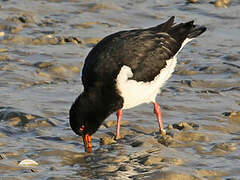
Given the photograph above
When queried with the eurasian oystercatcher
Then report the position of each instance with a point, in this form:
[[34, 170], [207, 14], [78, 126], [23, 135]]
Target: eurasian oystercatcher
[[126, 69]]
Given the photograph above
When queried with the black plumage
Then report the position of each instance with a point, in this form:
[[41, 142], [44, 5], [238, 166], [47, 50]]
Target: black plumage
[[145, 51]]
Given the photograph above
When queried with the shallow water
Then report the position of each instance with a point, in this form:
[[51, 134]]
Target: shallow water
[[41, 54]]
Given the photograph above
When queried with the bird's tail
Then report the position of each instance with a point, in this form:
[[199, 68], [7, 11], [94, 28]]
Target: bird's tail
[[195, 31], [186, 30]]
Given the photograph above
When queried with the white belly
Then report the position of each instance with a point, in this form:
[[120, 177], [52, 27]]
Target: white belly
[[135, 93]]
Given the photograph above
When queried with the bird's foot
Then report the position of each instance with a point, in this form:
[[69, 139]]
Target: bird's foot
[[163, 132], [117, 137]]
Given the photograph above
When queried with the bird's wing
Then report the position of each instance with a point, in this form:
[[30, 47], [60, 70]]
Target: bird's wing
[[145, 51]]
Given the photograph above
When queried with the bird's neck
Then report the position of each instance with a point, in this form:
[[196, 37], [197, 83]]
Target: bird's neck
[[94, 104], [94, 107], [104, 100]]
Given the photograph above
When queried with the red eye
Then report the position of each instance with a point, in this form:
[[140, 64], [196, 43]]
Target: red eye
[[82, 128]]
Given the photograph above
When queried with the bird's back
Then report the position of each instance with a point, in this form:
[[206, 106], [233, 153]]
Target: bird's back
[[145, 51]]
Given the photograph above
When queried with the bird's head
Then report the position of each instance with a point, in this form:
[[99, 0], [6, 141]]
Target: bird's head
[[85, 119]]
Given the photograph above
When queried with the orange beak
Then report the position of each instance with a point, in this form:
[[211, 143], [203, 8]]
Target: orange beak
[[87, 143]]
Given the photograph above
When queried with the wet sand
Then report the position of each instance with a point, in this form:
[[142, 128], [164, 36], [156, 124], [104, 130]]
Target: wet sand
[[42, 48]]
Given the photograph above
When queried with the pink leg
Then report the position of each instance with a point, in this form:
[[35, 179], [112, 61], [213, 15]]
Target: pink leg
[[119, 117], [157, 111]]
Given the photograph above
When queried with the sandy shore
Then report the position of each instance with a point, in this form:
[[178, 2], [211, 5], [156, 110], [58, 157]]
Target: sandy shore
[[42, 49]]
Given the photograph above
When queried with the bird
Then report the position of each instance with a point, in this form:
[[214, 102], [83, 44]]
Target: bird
[[126, 69]]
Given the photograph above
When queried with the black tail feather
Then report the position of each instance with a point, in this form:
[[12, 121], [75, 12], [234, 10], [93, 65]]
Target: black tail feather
[[186, 30], [196, 31], [180, 31]]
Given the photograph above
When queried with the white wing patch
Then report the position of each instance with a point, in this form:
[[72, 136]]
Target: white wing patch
[[135, 93]]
